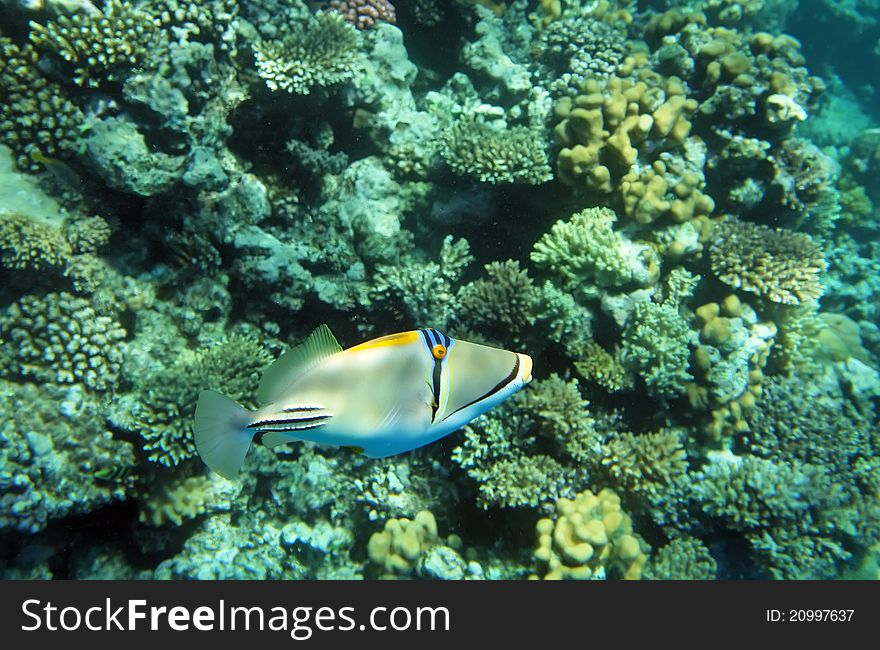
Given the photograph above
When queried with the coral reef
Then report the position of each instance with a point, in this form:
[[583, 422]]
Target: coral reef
[[670, 207]]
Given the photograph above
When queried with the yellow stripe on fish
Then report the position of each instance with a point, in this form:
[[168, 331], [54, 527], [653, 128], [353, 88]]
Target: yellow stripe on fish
[[384, 397], [401, 338]]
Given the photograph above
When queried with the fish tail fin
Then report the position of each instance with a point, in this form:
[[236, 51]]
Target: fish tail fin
[[221, 434]]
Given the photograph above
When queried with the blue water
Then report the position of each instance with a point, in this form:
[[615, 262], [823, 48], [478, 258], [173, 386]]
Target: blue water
[[670, 208]]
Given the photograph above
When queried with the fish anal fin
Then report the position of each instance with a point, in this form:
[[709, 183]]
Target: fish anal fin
[[295, 362]]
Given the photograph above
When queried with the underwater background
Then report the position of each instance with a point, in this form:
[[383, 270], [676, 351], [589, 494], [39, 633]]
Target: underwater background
[[671, 206]]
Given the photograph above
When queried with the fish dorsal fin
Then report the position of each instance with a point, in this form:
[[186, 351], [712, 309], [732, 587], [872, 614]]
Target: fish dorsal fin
[[294, 363]]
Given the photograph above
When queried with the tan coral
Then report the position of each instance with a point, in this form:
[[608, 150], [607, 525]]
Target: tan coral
[[781, 265], [589, 534]]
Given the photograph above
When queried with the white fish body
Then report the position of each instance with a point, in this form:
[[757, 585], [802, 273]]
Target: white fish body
[[384, 397]]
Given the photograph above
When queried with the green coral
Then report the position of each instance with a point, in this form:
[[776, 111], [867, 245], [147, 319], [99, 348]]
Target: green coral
[[533, 449], [322, 52], [585, 250], [643, 465], [656, 343], [424, 292], [472, 147], [54, 454], [29, 244], [61, 338], [36, 114], [164, 411], [685, 558], [596, 364], [97, 45]]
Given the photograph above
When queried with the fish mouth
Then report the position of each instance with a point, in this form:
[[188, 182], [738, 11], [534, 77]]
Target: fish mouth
[[526, 364]]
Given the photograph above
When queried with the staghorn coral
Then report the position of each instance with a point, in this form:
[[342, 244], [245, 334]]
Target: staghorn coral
[[591, 538], [319, 53], [364, 14], [60, 338], [472, 147], [780, 265]]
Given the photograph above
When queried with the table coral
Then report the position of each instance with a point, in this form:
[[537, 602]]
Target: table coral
[[780, 265], [320, 53], [589, 538]]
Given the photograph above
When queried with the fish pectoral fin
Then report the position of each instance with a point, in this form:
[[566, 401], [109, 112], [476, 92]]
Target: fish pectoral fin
[[412, 414]]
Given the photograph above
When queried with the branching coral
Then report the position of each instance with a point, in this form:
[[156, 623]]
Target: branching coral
[[95, 45], [471, 147], [62, 339], [164, 410], [596, 364], [589, 536], [585, 250], [643, 465], [684, 558], [656, 343], [37, 118], [425, 290], [533, 449], [780, 265], [320, 53], [56, 457]]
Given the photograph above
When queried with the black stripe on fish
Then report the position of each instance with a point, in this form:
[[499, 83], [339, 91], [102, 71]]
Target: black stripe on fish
[[296, 409], [429, 340], [259, 434], [293, 422], [442, 339], [435, 387], [504, 382]]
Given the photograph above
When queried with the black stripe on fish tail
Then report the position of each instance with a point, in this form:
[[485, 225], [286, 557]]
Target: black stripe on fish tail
[[504, 382]]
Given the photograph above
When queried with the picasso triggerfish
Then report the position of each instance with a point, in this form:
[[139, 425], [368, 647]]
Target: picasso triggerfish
[[382, 397]]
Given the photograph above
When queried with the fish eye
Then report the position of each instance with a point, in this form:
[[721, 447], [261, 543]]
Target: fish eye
[[439, 351]]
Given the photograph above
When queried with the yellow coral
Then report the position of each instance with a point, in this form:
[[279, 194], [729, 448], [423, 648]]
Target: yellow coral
[[589, 535], [397, 548]]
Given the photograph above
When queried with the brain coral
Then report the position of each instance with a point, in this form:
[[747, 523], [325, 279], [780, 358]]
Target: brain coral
[[781, 265]]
